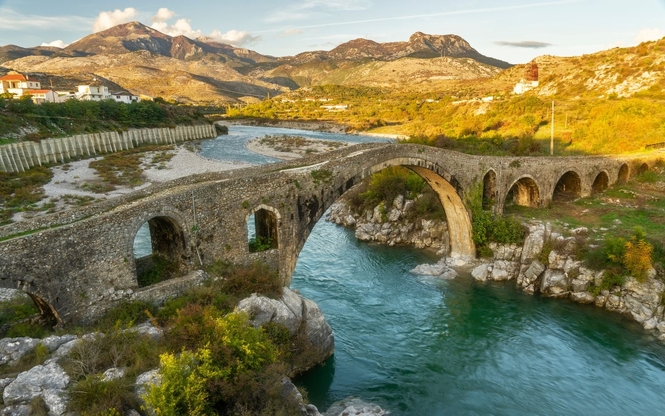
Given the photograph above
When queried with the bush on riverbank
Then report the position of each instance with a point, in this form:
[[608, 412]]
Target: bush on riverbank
[[211, 359], [621, 257], [488, 228]]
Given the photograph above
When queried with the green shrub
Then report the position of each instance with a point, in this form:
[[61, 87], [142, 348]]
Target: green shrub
[[27, 329], [227, 367], [507, 230], [116, 348], [160, 270], [92, 396], [242, 281], [126, 314], [259, 243], [544, 256], [16, 310]]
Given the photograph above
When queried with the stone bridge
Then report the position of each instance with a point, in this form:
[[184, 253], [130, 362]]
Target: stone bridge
[[78, 263]]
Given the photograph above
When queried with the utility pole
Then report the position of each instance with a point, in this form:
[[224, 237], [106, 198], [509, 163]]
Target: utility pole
[[552, 132]]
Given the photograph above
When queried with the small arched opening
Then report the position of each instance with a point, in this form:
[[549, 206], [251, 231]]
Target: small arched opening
[[624, 174], [643, 168], [159, 248], [568, 188], [489, 190], [524, 192], [601, 183], [263, 229]]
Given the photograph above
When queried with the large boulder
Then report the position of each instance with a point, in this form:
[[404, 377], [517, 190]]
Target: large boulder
[[555, 284], [297, 314], [353, 406], [48, 381], [529, 275], [534, 242]]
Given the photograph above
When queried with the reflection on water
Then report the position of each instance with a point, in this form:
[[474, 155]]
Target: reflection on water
[[420, 346]]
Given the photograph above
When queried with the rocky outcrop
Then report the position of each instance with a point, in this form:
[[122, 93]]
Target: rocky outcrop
[[563, 276], [392, 225], [297, 314], [48, 381], [353, 406]]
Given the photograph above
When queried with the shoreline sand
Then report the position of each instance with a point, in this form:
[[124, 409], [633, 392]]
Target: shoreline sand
[[310, 146]]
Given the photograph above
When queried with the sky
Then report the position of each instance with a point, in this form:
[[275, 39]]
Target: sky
[[512, 30]]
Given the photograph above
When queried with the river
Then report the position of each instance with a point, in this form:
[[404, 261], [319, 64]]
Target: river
[[423, 346]]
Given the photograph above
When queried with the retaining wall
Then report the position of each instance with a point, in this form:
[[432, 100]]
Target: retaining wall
[[17, 157]]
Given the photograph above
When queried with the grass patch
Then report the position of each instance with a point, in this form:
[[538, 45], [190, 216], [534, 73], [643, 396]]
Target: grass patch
[[21, 191], [124, 168], [156, 269]]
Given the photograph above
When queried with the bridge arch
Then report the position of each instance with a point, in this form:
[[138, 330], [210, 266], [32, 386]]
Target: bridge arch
[[311, 207], [601, 183], [265, 222], [490, 192], [168, 244], [524, 192], [624, 174], [642, 168], [569, 186]]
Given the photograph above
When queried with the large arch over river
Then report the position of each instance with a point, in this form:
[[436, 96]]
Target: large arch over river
[[439, 179]]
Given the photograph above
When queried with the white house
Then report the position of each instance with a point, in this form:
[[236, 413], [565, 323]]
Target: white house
[[125, 97], [17, 84], [20, 85], [524, 86], [93, 93], [42, 96]]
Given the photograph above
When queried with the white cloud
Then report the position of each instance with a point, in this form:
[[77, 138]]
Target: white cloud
[[182, 27], [292, 32], [163, 15], [107, 20], [11, 20], [649, 34], [57, 43], [308, 9], [234, 37]]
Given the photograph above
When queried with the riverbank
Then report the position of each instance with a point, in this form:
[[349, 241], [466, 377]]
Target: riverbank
[[291, 147], [312, 125], [76, 183]]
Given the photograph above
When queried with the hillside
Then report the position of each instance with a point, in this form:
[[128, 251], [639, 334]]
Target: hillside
[[608, 102], [201, 71]]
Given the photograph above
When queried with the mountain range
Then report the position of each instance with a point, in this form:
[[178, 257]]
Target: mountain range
[[145, 61], [133, 56]]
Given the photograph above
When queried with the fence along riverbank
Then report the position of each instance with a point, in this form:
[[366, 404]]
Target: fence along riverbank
[[18, 157]]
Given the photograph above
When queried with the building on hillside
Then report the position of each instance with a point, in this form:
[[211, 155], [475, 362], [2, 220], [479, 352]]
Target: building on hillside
[[530, 81], [20, 85], [125, 97], [42, 96], [65, 95], [15, 83], [335, 108], [93, 93]]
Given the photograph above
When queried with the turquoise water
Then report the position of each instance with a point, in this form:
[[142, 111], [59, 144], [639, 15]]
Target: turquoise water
[[423, 346], [231, 147]]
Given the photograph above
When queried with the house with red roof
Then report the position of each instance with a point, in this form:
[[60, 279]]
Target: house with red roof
[[19, 85]]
